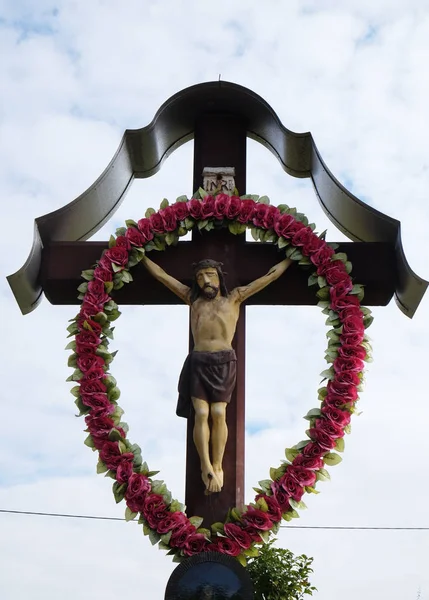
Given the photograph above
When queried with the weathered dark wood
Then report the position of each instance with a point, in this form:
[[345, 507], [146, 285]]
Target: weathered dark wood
[[63, 262]]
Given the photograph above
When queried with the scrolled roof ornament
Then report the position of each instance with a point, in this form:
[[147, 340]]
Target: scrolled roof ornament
[[97, 394]]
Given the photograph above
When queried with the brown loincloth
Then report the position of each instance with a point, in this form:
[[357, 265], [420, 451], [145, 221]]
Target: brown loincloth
[[209, 376]]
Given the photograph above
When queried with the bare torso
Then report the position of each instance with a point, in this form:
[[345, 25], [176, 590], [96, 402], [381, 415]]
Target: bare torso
[[213, 323]]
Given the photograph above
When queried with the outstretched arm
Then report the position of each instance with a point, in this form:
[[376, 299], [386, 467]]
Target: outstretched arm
[[181, 290], [244, 292]]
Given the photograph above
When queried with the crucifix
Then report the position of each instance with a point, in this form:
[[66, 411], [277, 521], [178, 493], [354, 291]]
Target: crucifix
[[220, 117]]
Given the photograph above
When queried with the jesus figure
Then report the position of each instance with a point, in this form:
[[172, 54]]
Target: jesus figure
[[208, 376]]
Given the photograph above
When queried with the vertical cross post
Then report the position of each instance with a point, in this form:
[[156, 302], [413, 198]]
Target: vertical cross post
[[220, 140]]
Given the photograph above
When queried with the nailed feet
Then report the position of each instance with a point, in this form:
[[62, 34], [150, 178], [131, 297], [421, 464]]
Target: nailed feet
[[213, 480]]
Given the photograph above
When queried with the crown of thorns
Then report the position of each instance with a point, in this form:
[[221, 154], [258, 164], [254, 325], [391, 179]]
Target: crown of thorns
[[207, 263]]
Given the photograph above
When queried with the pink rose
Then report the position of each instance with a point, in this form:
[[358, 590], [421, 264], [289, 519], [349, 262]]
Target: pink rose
[[225, 546], [247, 210], [124, 472], [180, 210], [332, 429], [312, 463], [337, 416], [157, 222], [137, 484], [301, 475], [221, 206], [207, 207], [123, 242], [257, 518], [195, 210], [234, 207], [169, 218], [236, 533], [134, 237], [145, 229], [194, 544]]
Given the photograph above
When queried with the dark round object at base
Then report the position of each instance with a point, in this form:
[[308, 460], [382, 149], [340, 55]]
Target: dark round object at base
[[209, 576]]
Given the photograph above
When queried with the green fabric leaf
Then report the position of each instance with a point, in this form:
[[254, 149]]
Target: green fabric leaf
[[332, 458]]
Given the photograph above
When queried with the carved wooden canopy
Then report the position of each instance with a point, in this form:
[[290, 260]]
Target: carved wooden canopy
[[142, 152]]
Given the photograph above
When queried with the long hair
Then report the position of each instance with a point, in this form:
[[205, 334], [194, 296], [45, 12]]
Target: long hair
[[207, 263]]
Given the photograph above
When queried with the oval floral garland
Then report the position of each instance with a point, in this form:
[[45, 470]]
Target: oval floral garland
[[164, 519]]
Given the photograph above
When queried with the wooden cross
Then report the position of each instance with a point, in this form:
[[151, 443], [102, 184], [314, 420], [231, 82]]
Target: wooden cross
[[220, 140]]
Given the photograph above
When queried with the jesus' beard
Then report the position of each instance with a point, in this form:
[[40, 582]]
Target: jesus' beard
[[209, 292]]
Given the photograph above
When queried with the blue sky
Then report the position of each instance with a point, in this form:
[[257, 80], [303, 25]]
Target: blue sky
[[73, 76]]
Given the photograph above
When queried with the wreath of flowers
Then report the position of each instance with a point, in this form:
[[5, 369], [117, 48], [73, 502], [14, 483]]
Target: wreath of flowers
[[280, 496]]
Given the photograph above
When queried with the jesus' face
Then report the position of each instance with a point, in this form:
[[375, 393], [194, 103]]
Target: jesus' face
[[208, 282]]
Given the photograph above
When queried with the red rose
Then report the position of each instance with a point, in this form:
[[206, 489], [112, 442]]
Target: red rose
[[348, 364], [87, 339], [346, 351], [271, 217], [335, 401], [247, 210], [135, 504], [234, 207], [281, 496], [274, 510], [97, 292], [153, 503], [169, 218], [145, 229], [302, 237], [293, 229], [195, 543], [137, 484], [99, 426], [194, 206], [345, 390], [124, 471], [156, 516], [352, 339], [207, 207], [221, 206], [257, 518], [102, 411], [259, 214], [332, 429], [87, 361], [180, 210], [343, 302], [180, 536], [157, 222], [301, 475], [225, 546], [94, 373], [307, 462], [171, 522], [134, 237], [313, 244], [117, 255], [95, 401], [313, 450], [348, 377], [336, 274], [350, 311], [236, 533], [292, 487], [340, 417], [322, 255], [92, 387], [352, 325], [283, 223], [89, 309], [90, 325], [322, 438], [103, 274], [123, 242], [105, 263], [111, 455]]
